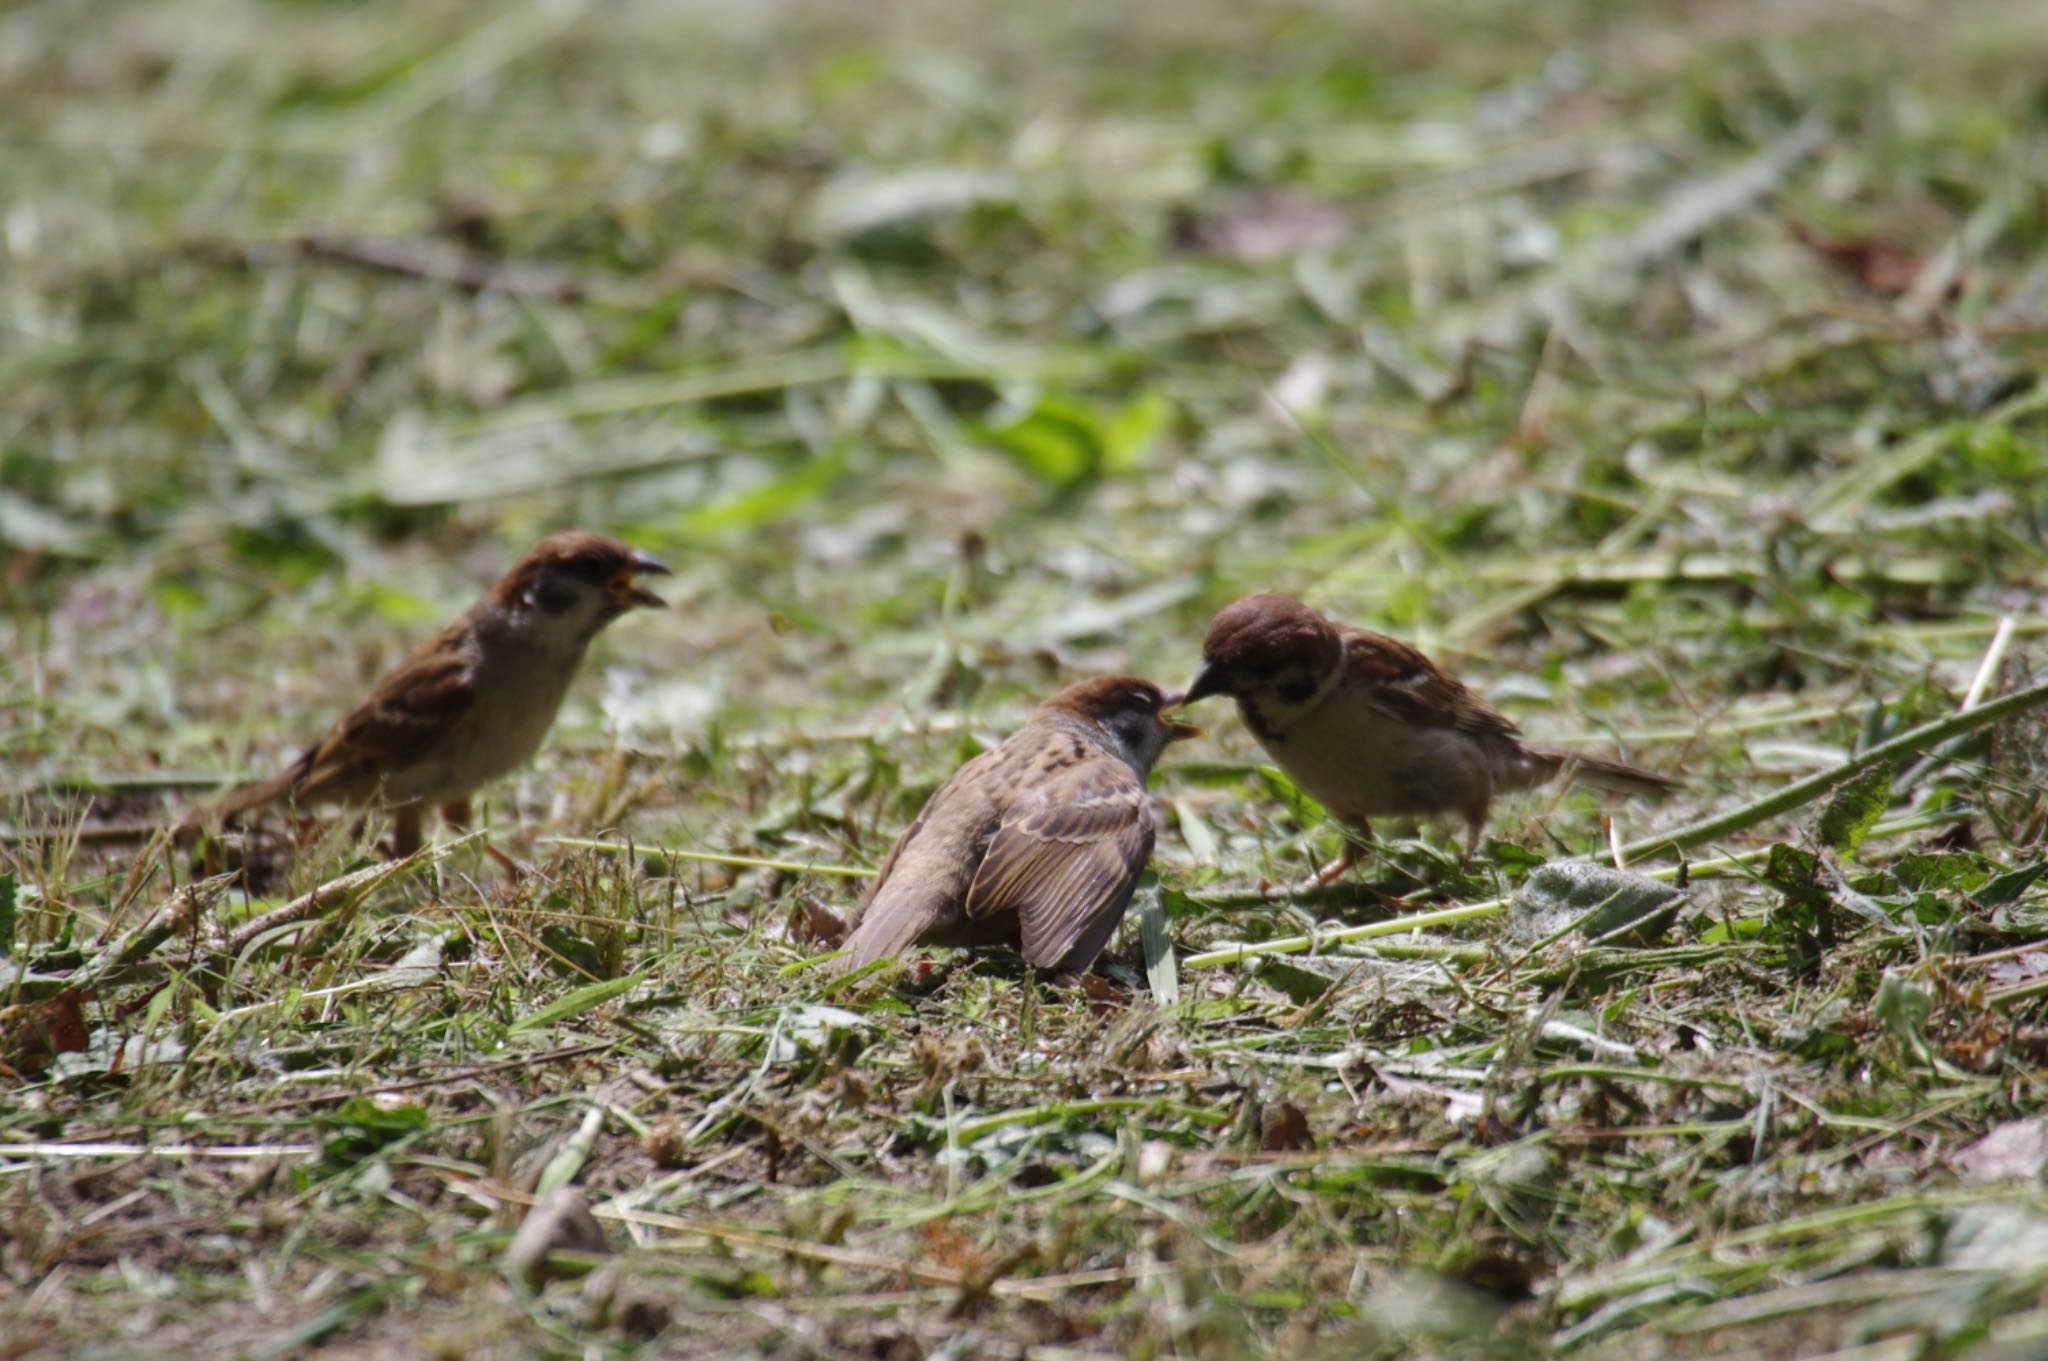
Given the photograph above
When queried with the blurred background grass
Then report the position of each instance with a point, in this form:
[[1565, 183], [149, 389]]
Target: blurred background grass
[[319, 313]]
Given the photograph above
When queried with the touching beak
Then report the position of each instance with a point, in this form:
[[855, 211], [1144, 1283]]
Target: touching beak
[[626, 588], [1210, 681], [1176, 732]]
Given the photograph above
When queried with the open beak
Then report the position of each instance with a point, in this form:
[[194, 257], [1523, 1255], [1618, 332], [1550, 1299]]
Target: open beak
[[1176, 732], [626, 587], [1209, 681]]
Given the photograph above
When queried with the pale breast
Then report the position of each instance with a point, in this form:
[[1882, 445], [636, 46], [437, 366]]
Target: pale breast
[[496, 735], [1359, 763]]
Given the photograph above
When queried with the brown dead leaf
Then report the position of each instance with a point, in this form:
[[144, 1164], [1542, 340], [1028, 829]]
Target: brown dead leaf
[[1880, 266], [1266, 225], [1284, 1129], [36, 1032], [813, 923]]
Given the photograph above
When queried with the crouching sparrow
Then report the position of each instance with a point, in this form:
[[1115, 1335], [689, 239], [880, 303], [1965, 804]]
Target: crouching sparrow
[[474, 702], [1370, 727], [1037, 843]]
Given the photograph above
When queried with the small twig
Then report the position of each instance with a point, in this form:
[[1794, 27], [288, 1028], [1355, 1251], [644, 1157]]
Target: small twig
[[177, 915], [181, 913], [1994, 657], [339, 894], [1813, 786], [1987, 672]]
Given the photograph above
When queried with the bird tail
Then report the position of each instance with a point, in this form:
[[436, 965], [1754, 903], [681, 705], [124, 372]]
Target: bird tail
[[886, 928], [230, 806], [1616, 777]]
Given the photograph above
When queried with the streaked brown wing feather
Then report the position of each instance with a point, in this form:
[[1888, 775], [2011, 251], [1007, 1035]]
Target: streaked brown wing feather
[[1065, 860], [410, 711], [916, 894], [1408, 686]]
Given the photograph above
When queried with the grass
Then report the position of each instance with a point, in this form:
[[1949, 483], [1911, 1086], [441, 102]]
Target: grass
[[1672, 371]]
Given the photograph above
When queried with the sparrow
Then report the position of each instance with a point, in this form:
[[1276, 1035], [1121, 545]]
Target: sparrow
[[1370, 727], [474, 702], [1036, 843]]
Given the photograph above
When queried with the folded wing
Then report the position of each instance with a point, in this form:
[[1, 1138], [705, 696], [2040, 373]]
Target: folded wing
[[412, 708], [1066, 859]]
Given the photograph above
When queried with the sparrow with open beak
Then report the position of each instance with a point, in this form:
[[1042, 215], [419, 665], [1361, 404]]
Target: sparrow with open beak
[[1370, 727], [474, 702], [1037, 843]]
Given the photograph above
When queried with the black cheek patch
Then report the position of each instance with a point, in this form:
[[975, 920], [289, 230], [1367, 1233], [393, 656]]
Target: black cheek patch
[[1296, 691], [1256, 721], [553, 595]]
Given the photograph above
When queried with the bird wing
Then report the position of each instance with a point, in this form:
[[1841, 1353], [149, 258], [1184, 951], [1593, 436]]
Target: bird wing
[[1409, 687], [922, 880], [410, 711], [1065, 860]]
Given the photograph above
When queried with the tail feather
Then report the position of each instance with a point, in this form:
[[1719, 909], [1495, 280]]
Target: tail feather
[[1617, 777], [889, 927], [230, 806]]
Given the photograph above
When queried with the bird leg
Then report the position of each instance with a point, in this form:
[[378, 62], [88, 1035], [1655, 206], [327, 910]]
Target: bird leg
[[1356, 836], [405, 831], [456, 814], [1475, 823]]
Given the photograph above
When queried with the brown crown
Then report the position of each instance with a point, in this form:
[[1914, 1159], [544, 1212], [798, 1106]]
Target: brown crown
[[578, 552], [1104, 695], [1267, 631]]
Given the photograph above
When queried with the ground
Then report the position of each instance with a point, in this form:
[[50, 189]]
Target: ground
[[1670, 371]]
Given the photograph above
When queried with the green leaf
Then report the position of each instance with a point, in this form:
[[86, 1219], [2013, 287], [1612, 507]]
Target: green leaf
[[1131, 431], [287, 549], [1513, 860], [1162, 970], [575, 955], [1853, 809], [1300, 986], [10, 889], [1901, 1007], [577, 1002], [1194, 830], [1962, 871], [854, 203], [1305, 809], [1794, 872], [1604, 904], [1067, 444], [1057, 441], [2004, 889], [361, 1127], [776, 499]]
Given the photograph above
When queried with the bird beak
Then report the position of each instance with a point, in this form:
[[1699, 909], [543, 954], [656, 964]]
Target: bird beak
[[1210, 681], [626, 587], [1176, 732]]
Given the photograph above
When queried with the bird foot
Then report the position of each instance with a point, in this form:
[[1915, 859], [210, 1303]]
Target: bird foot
[[1335, 870], [511, 864]]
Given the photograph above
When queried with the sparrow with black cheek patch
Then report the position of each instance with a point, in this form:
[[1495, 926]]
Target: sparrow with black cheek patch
[[1370, 727], [474, 702], [1036, 843]]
